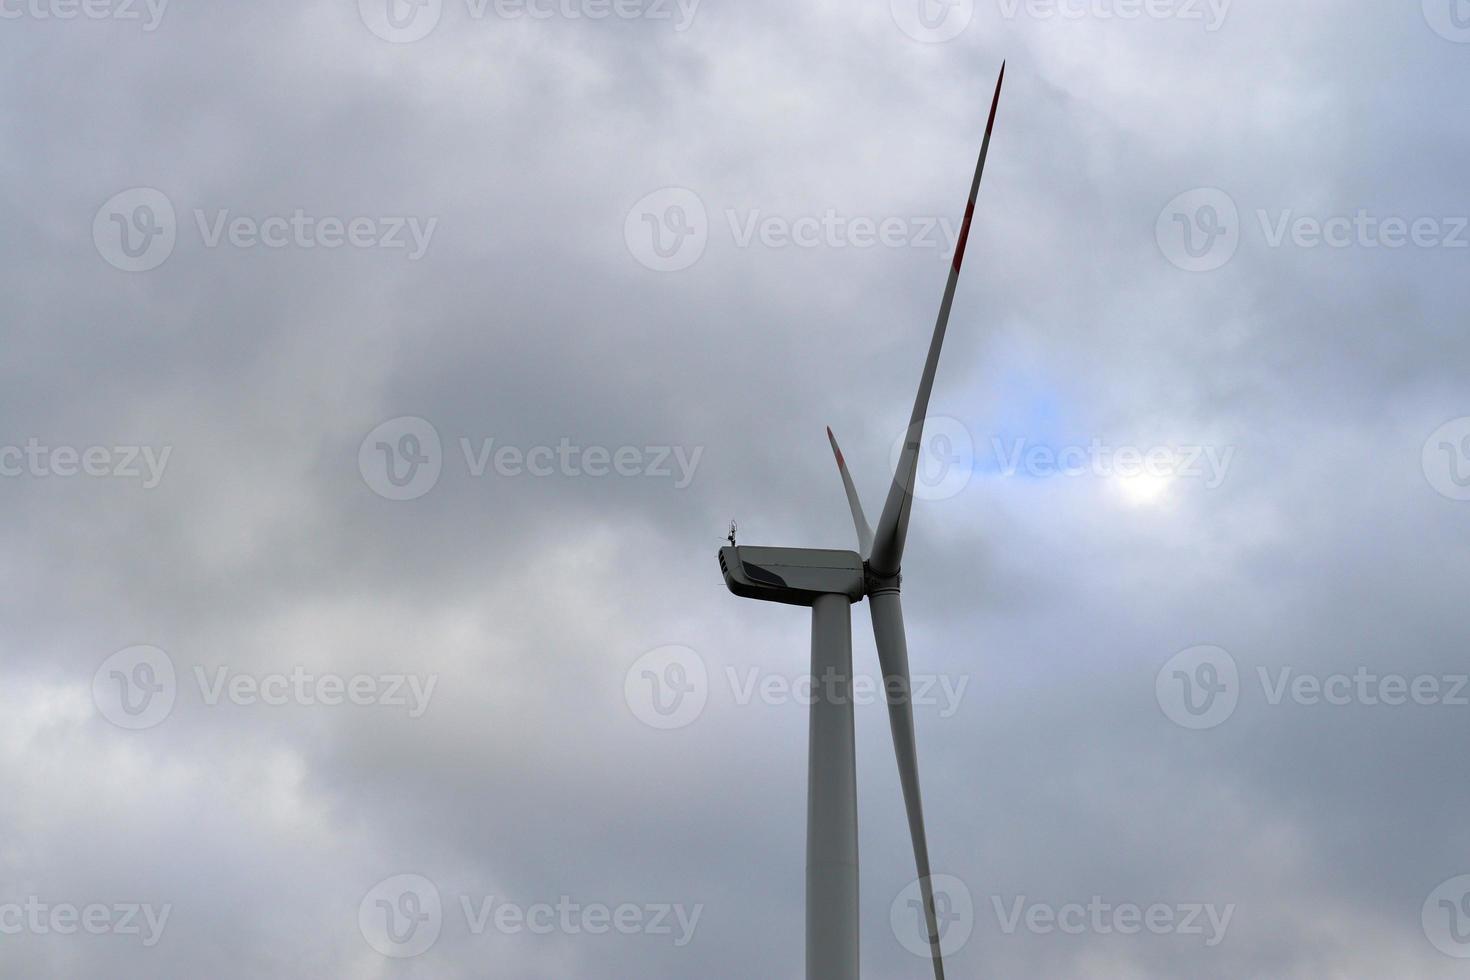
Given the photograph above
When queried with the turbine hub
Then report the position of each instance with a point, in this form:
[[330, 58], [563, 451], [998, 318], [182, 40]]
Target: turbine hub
[[877, 584]]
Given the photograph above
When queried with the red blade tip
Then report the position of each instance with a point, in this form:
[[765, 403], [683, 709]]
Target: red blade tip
[[835, 450]]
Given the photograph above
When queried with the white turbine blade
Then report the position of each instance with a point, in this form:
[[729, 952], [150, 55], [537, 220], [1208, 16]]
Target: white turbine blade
[[860, 522], [893, 525], [893, 657]]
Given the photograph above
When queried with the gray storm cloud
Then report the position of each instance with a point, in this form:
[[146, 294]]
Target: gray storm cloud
[[697, 233]]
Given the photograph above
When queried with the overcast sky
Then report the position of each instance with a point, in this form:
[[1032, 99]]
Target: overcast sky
[[380, 379]]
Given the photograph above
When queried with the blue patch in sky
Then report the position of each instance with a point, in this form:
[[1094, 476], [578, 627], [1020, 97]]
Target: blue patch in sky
[[1027, 413]]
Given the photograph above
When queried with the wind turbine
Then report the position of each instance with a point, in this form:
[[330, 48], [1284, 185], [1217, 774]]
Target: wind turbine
[[829, 582]]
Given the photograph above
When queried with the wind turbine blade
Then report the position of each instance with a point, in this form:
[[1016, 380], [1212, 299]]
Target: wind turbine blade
[[860, 522], [893, 657], [893, 525]]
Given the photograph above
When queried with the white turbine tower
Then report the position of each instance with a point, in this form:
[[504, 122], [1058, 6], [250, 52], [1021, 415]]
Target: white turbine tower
[[829, 582]]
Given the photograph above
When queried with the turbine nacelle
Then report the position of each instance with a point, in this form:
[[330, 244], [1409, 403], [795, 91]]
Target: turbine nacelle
[[794, 576]]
